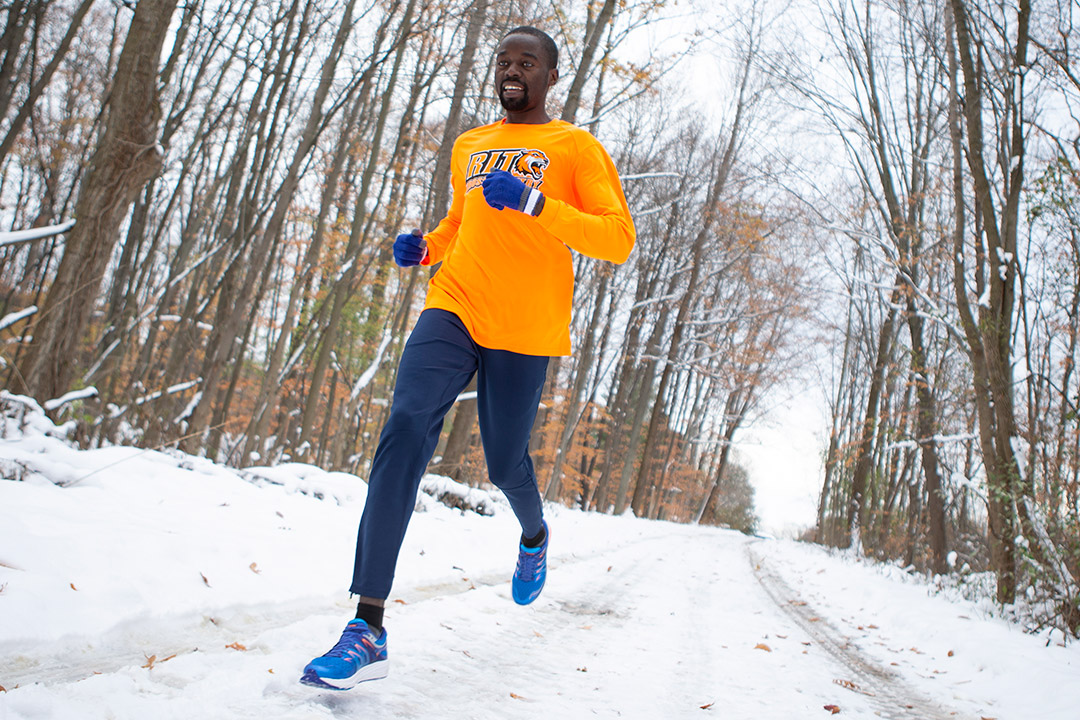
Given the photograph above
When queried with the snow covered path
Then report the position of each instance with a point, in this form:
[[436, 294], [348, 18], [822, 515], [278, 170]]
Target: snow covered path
[[139, 584], [665, 624]]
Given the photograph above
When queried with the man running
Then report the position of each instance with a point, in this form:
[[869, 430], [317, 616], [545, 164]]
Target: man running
[[527, 190]]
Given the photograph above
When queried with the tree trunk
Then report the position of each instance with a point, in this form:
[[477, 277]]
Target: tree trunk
[[459, 440], [440, 179], [593, 33], [990, 336], [925, 430], [575, 402], [344, 286], [269, 236], [38, 87], [126, 158], [882, 358]]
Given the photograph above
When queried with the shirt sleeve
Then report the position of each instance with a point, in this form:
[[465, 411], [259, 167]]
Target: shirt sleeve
[[602, 228], [439, 239]]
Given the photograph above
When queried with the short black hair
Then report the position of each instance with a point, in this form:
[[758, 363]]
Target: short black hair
[[550, 48]]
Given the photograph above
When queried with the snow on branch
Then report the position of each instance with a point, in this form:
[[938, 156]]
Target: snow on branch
[[12, 318], [650, 301], [17, 237], [171, 390], [1061, 579], [369, 374], [84, 394], [643, 176], [658, 208], [913, 444]]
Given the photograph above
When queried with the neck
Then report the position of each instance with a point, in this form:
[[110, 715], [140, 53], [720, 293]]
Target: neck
[[536, 116]]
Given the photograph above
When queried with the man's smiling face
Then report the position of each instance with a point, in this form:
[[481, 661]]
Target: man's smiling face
[[522, 76]]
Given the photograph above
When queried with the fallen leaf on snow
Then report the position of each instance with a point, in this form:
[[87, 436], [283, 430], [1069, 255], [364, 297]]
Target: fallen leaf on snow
[[205, 581], [254, 568], [583, 669], [833, 709], [399, 601], [236, 646], [152, 660], [950, 653], [706, 707], [763, 646], [847, 684], [516, 696], [73, 587]]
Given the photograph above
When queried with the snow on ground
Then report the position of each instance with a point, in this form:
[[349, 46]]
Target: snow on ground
[[138, 584]]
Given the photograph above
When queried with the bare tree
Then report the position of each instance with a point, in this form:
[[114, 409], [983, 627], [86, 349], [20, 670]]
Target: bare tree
[[126, 158]]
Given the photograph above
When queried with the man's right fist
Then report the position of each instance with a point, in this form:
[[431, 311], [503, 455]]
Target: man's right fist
[[410, 249]]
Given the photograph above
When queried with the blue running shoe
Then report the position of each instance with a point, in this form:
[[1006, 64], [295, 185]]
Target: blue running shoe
[[531, 571], [358, 656]]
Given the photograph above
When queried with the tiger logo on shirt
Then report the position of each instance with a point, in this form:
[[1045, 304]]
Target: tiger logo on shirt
[[526, 164], [531, 165]]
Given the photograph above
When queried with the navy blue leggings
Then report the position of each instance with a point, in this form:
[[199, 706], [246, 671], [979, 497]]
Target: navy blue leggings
[[439, 361]]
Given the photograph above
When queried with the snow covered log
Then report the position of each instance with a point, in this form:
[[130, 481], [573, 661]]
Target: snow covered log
[[456, 495]]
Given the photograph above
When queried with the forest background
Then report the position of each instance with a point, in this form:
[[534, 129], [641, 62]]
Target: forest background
[[876, 199]]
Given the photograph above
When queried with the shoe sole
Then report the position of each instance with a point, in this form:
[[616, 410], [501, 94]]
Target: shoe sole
[[528, 600], [374, 671]]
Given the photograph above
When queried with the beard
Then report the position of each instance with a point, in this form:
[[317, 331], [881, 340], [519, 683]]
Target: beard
[[514, 104]]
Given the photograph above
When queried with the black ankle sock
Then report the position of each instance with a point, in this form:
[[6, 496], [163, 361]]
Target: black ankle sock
[[535, 542], [371, 614]]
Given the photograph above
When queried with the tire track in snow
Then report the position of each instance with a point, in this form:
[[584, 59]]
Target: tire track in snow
[[71, 659], [893, 697], [132, 643]]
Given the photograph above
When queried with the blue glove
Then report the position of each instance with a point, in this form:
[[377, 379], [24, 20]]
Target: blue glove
[[503, 190], [410, 249]]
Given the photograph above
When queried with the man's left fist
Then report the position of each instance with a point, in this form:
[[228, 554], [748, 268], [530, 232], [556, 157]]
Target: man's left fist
[[503, 190]]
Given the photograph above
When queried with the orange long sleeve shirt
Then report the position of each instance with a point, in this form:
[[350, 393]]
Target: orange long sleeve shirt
[[509, 276]]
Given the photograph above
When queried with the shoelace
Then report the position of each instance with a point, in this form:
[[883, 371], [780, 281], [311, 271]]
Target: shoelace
[[528, 564], [350, 639]]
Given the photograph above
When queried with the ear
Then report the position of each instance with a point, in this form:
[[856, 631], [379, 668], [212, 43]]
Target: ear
[[553, 76]]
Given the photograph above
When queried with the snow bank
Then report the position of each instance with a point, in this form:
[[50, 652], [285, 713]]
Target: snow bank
[[141, 584]]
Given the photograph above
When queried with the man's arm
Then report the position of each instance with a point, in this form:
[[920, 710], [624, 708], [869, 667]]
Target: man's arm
[[602, 228], [439, 239]]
